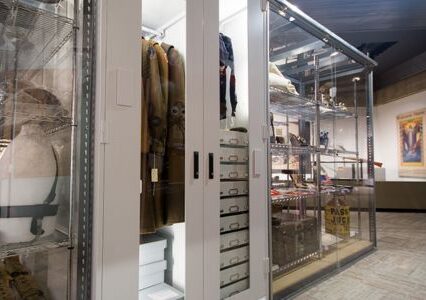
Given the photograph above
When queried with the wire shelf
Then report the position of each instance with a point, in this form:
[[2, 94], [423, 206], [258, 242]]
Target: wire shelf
[[303, 108], [292, 150], [30, 37], [54, 241], [284, 199]]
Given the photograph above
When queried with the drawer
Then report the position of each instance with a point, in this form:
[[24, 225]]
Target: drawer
[[160, 291], [233, 188], [233, 205], [234, 239], [151, 274], [234, 138], [234, 289], [233, 257], [151, 249], [233, 222], [234, 154], [233, 171], [234, 274]]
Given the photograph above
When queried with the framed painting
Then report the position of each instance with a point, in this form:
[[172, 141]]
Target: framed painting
[[411, 139]]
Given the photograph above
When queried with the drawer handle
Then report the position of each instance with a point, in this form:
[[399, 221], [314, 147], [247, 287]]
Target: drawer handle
[[211, 166], [233, 192], [234, 226], [233, 243], [233, 174], [233, 141], [234, 260], [222, 229], [233, 157], [234, 208], [234, 293], [234, 277]]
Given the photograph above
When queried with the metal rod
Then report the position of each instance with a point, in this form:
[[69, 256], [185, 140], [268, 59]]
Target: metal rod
[[232, 16], [370, 164], [357, 175], [153, 31], [318, 155]]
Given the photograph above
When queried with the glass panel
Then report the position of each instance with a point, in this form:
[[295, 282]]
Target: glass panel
[[234, 151], [295, 60], [41, 111], [162, 227], [322, 213]]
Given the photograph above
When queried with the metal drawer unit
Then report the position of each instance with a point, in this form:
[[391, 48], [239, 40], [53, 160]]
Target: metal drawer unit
[[234, 213], [234, 239]]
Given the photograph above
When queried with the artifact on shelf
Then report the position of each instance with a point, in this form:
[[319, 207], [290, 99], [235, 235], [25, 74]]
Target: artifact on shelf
[[298, 236], [28, 179], [6, 291], [324, 139], [337, 217], [25, 284], [277, 80], [297, 141]]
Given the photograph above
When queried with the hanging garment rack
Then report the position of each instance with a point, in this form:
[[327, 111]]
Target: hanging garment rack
[[161, 31], [153, 32]]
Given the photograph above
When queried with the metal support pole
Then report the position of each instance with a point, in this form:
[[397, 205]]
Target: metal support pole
[[370, 158], [357, 175], [318, 154]]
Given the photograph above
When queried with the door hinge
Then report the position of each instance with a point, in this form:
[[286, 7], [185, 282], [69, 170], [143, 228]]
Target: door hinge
[[104, 132], [267, 265], [264, 4]]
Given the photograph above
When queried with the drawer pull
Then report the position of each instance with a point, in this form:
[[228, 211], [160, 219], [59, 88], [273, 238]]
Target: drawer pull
[[234, 293], [233, 141], [234, 243], [233, 158], [234, 260], [233, 174], [233, 191], [234, 226], [234, 208], [234, 277]]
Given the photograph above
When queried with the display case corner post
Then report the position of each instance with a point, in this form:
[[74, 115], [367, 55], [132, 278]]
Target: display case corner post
[[370, 151], [86, 150]]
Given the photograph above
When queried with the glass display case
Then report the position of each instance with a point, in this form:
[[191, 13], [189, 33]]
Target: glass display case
[[321, 153], [46, 138]]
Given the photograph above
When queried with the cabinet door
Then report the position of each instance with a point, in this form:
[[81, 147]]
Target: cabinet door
[[235, 152], [150, 178]]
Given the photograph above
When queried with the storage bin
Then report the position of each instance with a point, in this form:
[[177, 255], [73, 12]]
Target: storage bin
[[151, 249], [151, 274], [228, 154], [233, 205], [234, 274], [233, 171], [234, 222], [234, 289], [234, 239], [234, 188], [161, 291], [233, 257], [234, 138]]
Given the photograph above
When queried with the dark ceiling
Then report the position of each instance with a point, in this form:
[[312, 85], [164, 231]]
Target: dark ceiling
[[395, 30]]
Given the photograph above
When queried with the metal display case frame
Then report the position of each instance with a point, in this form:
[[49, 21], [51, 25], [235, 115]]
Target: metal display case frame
[[312, 109]]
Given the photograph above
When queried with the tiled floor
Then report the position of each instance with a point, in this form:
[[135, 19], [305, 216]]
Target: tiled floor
[[397, 270]]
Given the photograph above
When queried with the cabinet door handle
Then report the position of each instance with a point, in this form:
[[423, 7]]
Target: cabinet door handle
[[211, 166], [196, 165]]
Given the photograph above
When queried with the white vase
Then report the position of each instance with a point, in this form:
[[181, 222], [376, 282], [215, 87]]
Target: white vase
[[27, 174]]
